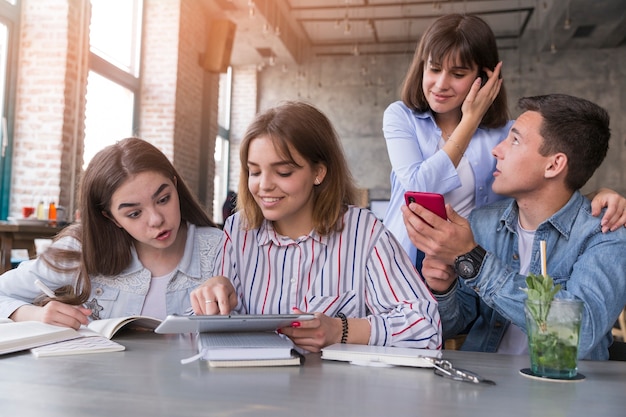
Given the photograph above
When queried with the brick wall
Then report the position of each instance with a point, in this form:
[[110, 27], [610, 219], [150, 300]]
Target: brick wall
[[173, 81], [49, 105], [51, 85]]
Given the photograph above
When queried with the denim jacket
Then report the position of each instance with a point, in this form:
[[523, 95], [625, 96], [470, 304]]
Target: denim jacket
[[123, 294], [589, 265]]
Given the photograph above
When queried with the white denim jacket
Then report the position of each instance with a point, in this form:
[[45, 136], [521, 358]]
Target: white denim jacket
[[123, 294]]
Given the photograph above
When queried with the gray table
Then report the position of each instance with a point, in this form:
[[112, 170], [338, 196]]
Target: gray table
[[148, 380]]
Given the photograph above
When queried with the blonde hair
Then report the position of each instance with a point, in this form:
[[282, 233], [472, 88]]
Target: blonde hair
[[303, 128]]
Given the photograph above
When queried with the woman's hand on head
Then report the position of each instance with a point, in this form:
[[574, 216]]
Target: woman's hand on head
[[480, 98], [315, 334], [216, 296], [54, 312]]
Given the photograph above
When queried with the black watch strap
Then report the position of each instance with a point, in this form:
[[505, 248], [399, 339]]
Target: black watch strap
[[467, 265]]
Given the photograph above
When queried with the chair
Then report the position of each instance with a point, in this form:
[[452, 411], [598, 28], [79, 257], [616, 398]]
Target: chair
[[617, 351], [619, 330], [454, 343], [362, 198]]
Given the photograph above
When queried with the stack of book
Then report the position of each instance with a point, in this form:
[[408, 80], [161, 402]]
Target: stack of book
[[238, 349]]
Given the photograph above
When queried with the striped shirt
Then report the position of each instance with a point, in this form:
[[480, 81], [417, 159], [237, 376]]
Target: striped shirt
[[361, 271]]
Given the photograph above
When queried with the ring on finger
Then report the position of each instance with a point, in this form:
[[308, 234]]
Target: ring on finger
[[209, 301]]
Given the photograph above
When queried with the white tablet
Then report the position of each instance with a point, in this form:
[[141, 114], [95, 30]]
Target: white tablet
[[230, 323]]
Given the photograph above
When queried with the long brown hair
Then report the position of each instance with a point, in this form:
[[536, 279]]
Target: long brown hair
[[464, 37], [303, 128], [106, 248]]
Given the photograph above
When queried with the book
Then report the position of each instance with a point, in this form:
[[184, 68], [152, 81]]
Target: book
[[245, 349], [16, 336], [109, 327], [48, 340], [380, 355], [78, 346], [244, 346], [296, 359]]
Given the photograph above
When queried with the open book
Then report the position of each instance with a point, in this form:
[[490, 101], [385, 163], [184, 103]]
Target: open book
[[48, 340], [16, 336]]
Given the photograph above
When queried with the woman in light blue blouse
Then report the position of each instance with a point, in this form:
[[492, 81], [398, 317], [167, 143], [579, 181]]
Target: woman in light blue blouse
[[453, 112], [142, 245]]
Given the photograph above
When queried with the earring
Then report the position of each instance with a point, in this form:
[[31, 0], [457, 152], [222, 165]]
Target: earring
[[317, 181]]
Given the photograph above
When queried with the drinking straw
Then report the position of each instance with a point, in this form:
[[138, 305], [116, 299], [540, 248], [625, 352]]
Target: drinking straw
[[544, 266]]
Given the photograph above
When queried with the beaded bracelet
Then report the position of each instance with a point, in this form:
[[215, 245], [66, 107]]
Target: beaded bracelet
[[458, 148], [344, 327]]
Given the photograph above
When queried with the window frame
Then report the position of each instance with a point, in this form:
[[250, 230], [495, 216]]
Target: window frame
[[9, 16]]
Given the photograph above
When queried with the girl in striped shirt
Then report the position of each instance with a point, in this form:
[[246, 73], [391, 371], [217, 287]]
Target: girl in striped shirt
[[297, 244]]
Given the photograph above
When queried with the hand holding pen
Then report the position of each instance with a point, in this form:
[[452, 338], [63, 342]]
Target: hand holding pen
[[54, 312]]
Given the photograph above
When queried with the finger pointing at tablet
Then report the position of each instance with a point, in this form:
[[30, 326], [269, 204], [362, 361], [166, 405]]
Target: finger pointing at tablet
[[216, 296]]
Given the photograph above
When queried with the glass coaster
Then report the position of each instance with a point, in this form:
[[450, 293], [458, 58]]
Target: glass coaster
[[529, 374]]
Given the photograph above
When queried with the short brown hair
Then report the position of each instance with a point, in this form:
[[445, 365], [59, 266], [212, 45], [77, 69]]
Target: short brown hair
[[574, 126]]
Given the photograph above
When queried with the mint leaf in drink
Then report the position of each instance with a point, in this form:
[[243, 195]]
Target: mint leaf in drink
[[541, 291]]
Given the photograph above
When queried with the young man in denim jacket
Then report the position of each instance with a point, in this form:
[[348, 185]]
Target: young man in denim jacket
[[553, 148]]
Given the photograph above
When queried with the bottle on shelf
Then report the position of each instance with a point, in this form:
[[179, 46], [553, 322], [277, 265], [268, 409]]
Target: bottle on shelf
[[40, 213], [52, 214]]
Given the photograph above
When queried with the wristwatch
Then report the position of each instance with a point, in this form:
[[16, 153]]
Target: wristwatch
[[468, 265]]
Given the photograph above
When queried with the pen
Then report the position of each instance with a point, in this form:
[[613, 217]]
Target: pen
[[43, 287]]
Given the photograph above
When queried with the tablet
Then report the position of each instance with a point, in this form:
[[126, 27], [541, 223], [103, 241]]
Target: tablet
[[230, 323]]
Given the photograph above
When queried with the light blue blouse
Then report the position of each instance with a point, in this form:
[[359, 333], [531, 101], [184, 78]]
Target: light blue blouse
[[419, 165]]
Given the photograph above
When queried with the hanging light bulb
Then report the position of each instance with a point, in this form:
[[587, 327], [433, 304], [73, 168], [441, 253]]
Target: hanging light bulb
[[568, 24], [347, 29]]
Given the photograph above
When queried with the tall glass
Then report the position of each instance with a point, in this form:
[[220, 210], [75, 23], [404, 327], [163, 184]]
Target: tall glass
[[553, 337]]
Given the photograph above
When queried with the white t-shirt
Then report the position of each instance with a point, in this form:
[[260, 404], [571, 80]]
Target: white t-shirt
[[154, 304], [462, 198], [515, 341]]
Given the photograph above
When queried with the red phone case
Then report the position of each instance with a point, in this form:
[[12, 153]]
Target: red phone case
[[431, 201]]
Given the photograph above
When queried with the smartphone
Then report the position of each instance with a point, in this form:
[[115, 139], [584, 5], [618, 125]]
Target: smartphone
[[431, 201], [483, 77]]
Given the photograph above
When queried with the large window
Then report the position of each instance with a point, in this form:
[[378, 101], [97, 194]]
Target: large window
[[9, 24], [222, 148], [113, 80]]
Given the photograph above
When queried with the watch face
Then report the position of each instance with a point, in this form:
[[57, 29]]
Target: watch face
[[466, 269]]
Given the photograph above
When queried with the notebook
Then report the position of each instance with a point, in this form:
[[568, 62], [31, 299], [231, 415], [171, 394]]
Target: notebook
[[247, 349], [380, 355], [244, 346], [79, 346], [229, 323]]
